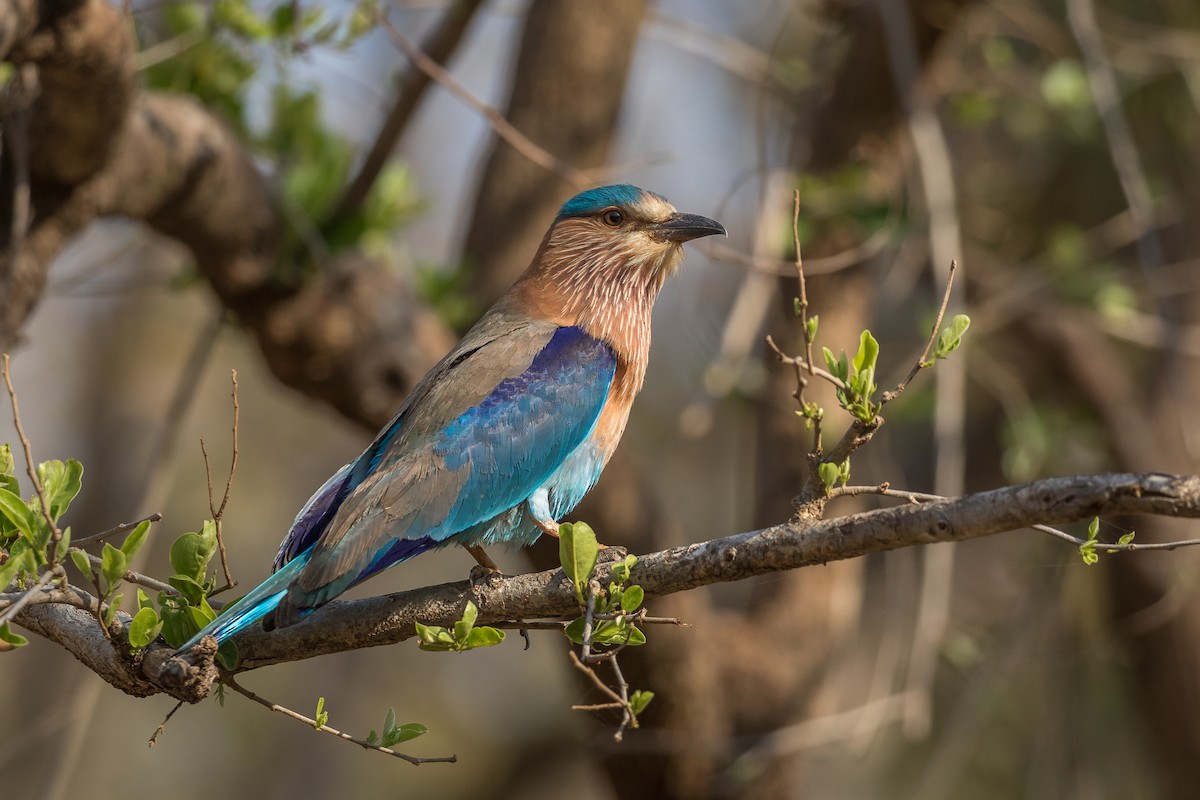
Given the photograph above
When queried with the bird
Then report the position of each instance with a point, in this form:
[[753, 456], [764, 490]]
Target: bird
[[508, 432]]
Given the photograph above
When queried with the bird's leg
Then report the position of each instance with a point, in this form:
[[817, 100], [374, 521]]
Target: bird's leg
[[548, 526], [485, 568]]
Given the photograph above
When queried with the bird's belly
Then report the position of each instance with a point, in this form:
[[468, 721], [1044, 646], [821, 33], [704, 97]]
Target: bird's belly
[[565, 487]]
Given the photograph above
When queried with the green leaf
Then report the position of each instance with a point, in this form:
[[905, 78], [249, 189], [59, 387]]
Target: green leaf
[[144, 628], [829, 474], [114, 608], [64, 544], [372, 737], [18, 562], [187, 586], [810, 328], [191, 553], [578, 550], [868, 352], [484, 636], [462, 628], [574, 631], [322, 716], [639, 700], [81, 562], [1093, 529], [134, 541], [17, 512], [112, 566], [10, 640], [623, 569], [434, 638], [389, 720], [837, 366], [618, 633], [199, 618], [178, 626], [1123, 540], [951, 336], [60, 482], [631, 599], [8, 481], [143, 600], [403, 733]]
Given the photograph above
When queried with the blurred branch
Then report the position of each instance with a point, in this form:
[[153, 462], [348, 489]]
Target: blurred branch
[[936, 167], [438, 48], [503, 128], [1081, 14]]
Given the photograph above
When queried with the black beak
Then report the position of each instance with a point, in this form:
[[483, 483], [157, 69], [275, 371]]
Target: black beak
[[682, 228]]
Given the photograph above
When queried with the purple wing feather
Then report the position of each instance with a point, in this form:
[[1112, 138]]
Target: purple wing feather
[[311, 521]]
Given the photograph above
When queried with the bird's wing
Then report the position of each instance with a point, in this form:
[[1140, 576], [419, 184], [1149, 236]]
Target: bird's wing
[[447, 467], [313, 518], [430, 406]]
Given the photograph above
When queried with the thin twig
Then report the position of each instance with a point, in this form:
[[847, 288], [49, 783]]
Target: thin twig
[[595, 679], [117, 530], [503, 128], [55, 531], [560, 624], [219, 512], [924, 361], [800, 363], [883, 490], [162, 726], [130, 575], [23, 600], [169, 48], [312, 723], [589, 621]]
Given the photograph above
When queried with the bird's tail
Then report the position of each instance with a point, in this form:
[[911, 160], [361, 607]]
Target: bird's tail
[[262, 600]]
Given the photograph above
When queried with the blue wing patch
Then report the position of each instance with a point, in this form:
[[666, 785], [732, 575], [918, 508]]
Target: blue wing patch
[[521, 432]]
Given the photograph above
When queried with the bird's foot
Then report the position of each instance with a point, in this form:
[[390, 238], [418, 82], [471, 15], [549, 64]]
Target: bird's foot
[[548, 526], [485, 570]]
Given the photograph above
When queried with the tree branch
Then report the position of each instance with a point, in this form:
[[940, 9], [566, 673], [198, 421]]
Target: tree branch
[[167, 161], [349, 625]]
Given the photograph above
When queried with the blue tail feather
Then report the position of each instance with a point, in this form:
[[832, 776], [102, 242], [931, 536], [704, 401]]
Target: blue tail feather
[[261, 600], [266, 597]]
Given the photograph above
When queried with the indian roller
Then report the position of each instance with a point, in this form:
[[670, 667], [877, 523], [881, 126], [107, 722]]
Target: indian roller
[[510, 430]]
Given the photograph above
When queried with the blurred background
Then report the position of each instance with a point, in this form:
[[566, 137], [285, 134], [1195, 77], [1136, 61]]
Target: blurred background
[[1049, 146]]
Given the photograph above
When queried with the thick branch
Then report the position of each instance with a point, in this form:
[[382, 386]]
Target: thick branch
[[167, 161], [390, 619]]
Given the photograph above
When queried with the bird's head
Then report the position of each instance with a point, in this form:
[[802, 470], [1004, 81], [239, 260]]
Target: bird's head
[[602, 264], [624, 228]]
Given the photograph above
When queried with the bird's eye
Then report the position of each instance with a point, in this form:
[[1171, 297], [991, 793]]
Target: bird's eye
[[612, 217]]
